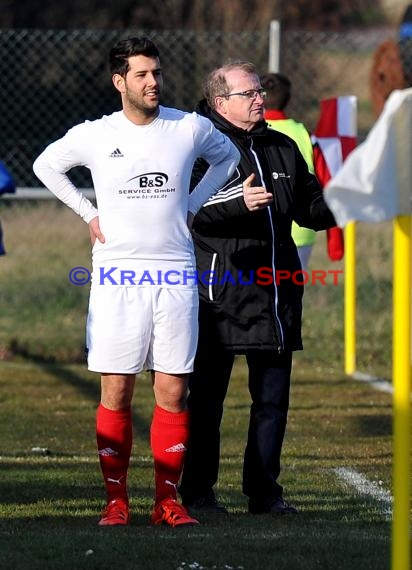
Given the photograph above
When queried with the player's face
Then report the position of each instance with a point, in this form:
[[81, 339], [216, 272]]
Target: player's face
[[242, 110], [142, 86]]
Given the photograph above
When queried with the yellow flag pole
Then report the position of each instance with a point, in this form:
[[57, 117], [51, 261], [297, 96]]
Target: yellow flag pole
[[401, 373], [350, 298]]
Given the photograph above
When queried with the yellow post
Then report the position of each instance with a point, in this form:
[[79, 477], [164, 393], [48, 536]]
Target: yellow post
[[350, 298], [401, 374]]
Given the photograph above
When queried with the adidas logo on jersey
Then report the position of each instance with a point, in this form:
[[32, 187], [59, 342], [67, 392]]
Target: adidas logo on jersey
[[116, 153]]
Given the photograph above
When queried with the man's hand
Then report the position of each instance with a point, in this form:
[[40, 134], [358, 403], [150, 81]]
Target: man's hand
[[95, 232], [255, 197]]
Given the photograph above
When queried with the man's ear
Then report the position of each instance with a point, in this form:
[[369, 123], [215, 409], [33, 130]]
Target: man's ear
[[220, 105], [119, 82]]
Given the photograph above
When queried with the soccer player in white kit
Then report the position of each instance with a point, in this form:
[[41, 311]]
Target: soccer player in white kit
[[143, 305]]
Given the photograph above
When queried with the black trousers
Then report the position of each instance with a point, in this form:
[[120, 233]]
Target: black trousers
[[269, 387]]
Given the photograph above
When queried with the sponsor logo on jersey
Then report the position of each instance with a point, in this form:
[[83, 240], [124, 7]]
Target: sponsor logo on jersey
[[150, 179], [148, 185]]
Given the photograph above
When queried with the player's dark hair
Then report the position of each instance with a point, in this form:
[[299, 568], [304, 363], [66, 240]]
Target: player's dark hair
[[123, 49], [278, 90]]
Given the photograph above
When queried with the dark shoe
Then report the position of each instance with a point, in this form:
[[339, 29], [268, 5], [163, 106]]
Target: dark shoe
[[277, 506], [207, 505]]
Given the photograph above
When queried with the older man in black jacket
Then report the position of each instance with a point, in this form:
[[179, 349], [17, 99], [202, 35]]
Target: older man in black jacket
[[249, 302]]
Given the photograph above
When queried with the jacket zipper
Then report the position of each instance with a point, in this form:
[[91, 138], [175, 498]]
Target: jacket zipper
[[282, 343]]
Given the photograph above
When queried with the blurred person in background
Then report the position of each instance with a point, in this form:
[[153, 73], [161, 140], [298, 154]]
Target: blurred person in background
[[278, 93], [243, 229], [7, 186], [278, 89], [141, 160]]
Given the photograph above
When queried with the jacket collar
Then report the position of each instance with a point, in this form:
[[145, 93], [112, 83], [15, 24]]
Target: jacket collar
[[225, 126]]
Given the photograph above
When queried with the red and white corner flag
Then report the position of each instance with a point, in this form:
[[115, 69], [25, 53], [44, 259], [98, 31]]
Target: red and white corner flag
[[333, 139], [375, 182]]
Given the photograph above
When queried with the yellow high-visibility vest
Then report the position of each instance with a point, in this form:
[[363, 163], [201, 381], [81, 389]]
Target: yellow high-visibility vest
[[299, 133]]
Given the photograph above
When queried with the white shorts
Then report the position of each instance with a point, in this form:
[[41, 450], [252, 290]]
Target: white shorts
[[130, 329]]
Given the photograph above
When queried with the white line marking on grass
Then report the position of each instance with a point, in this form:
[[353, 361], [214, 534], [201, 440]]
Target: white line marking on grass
[[36, 458], [374, 381], [365, 487]]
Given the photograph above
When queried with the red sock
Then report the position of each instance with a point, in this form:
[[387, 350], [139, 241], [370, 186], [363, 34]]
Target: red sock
[[169, 434], [114, 433]]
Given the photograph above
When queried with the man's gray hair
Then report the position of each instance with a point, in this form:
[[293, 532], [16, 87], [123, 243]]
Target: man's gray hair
[[216, 85]]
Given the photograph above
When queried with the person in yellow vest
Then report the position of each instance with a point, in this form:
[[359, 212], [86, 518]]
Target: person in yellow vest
[[278, 93]]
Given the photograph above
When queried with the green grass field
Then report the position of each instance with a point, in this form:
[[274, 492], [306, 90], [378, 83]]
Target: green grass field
[[339, 430], [50, 503]]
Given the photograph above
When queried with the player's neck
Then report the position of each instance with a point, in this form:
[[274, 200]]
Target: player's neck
[[140, 117]]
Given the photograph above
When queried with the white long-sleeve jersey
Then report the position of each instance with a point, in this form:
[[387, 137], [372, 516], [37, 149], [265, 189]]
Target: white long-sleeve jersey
[[141, 176]]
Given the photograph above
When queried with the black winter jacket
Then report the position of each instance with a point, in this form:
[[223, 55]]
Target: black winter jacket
[[240, 253]]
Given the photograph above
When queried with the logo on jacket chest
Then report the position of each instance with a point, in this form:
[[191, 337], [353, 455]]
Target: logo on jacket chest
[[277, 175]]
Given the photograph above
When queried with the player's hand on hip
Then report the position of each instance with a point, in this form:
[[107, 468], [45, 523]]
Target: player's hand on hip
[[255, 197], [95, 232]]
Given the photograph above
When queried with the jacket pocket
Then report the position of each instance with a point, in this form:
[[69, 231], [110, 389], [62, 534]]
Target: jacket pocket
[[209, 271], [208, 277]]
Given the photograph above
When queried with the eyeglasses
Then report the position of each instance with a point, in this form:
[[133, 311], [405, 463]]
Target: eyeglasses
[[250, 94]]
